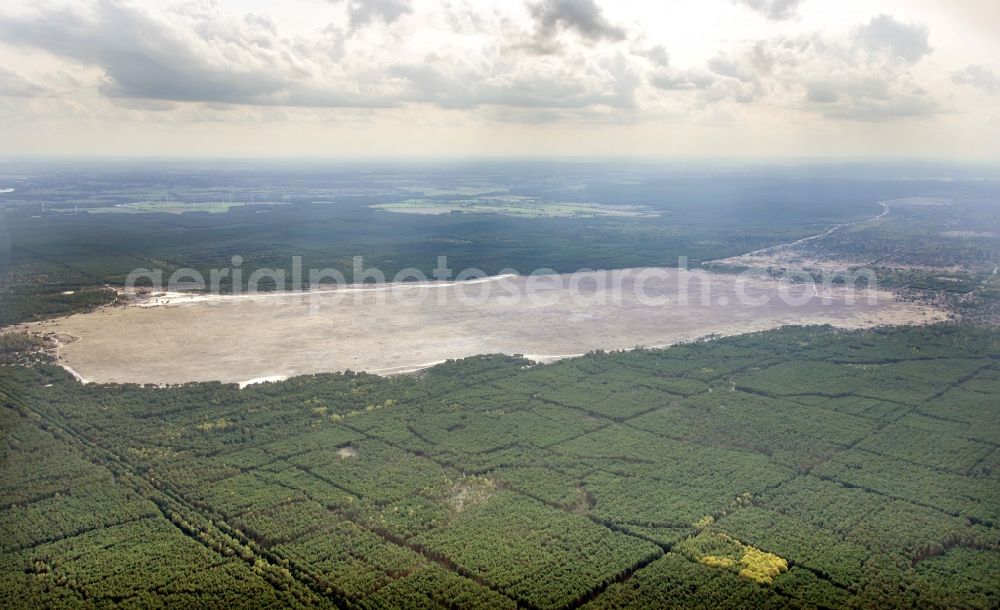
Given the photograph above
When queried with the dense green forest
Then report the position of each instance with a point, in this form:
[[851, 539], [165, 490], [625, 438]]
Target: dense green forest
[[805, 467]]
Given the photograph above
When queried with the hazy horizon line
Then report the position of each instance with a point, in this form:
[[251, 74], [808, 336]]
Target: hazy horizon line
[[431, 159]]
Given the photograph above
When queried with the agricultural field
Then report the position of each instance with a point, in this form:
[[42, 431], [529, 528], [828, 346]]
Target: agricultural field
[[802, 467]]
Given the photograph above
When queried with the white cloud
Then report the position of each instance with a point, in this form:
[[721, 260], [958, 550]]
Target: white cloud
[[886, 34], [772, 9], [15, 84], [583, 17], [199, 54], [203, 54], [469, 63], [979, 76], [863, 76], [364, 12]]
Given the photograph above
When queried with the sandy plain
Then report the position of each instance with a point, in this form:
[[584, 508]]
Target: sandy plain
[[175, 338]]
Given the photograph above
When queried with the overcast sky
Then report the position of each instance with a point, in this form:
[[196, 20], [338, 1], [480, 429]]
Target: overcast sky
[[362, 78]]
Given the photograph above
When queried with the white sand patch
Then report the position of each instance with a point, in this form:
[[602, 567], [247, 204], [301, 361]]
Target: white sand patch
[[404, 328], [347, 452], [166, 298], [264, 379], [75, 374]]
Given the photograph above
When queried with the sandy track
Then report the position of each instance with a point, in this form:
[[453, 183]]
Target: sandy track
[[779, 254], [400, 329]]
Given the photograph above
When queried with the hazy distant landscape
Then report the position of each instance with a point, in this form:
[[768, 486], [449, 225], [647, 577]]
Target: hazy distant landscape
[[706, 212]]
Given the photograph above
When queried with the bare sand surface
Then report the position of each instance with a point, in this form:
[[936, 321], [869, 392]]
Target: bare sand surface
[[174, 338]]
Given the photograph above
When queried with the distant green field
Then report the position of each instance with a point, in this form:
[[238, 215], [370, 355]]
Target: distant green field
[[168, 207], [514, 206], [806, 468]]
